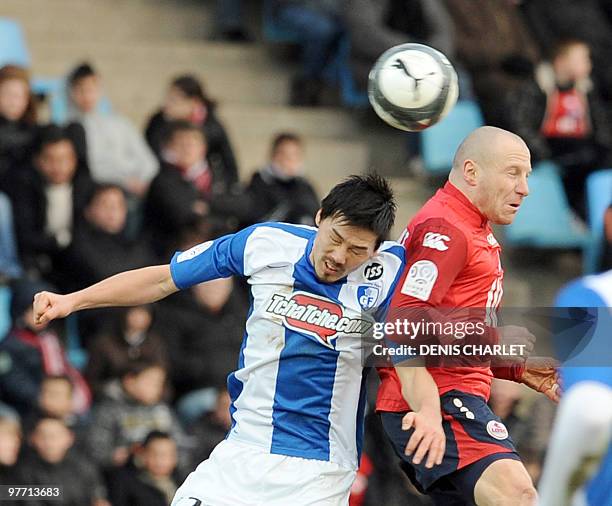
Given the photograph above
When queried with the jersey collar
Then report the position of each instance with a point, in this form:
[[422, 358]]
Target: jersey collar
[[474, 216]]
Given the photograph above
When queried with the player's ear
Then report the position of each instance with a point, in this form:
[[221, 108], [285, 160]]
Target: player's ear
[[470, 172], [318, 218]]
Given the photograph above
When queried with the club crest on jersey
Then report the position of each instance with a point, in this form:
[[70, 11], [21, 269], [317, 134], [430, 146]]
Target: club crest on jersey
[[491, 240], [316, 316], [367, 295], [497, 430]]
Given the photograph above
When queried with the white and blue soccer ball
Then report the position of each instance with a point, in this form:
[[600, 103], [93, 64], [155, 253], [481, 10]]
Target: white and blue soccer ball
[[412, 86]]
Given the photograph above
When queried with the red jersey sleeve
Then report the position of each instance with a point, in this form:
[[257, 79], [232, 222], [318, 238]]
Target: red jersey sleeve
[[436, 252]]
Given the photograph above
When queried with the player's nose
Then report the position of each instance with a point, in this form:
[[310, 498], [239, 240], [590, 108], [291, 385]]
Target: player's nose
[[523, 187]]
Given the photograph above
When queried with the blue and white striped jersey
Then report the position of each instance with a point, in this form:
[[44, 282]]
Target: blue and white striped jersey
[[594, 293], [299, 388]]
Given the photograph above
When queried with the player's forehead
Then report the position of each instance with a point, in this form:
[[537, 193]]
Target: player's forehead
[[338, 227]]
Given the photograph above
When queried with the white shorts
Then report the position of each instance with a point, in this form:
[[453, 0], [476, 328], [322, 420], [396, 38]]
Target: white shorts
[[237, 474]]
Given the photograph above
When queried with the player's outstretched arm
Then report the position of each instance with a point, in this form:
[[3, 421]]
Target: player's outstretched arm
[[421, 392], [130, 288]]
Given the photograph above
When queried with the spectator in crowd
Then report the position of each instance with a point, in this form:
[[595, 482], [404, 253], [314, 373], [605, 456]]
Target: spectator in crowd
[[183, 193], [319, 26], [30, 352], [48, 201], [100, 247], [203, 324], [10, 266], [388, 23], [149, 478], [115, 151], [186, 100], [552, 21], [119, 424], [279, 192], [50, 462], [10, 444], [494, 45], [17, 122], [56, 399], [606, 259], [130, 339], [561, 117], [212, 428], [230, 21]]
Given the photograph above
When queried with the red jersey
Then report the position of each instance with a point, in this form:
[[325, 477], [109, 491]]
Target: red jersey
[[452, 261]]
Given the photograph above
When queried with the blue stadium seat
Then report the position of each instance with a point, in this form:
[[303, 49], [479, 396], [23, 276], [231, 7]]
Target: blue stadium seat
[[5, 318], [545, 219], [76, 353], [439, 143], [13, 47], [598, 197]]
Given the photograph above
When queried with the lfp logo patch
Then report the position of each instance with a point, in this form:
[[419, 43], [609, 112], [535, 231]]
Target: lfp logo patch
[[367, 295]]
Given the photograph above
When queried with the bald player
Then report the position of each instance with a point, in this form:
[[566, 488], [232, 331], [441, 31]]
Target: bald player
[[453, 261]]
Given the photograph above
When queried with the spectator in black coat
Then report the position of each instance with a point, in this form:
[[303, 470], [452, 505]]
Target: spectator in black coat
[[279, 192], [149, 478], [51, 462], [31, 351], [203, 327], [17, 122], [48, 202], [100, 247], [186, 100], [561, 117]]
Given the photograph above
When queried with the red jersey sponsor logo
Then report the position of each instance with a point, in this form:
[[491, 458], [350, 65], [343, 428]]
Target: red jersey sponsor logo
[[317, 316]]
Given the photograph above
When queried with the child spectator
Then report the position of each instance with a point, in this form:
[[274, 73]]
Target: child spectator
[[149, 478], [279, 192], [100, 247], [56, 399], [48, 201], [129, 340], [115, 150], [50, 462], [10, 443], [118, 424], [17, 122], [561, 117], [186, 100], [30, 352]]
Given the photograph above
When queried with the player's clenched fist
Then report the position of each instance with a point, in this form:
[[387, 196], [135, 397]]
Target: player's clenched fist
[[427, 439], [49, 306]]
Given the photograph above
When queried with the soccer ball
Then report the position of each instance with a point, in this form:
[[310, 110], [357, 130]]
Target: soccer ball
[[412, 86]]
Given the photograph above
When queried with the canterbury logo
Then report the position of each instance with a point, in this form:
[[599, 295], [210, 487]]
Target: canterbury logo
[[317, 316], [436, 241]]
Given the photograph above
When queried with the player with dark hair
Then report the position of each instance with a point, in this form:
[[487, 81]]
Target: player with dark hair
[[298, 394], [453, 261]]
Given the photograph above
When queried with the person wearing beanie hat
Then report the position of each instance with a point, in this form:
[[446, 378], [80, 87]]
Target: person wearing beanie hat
[[31, 351]]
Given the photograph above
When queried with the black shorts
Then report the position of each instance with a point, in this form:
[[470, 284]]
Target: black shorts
[[475, 437]]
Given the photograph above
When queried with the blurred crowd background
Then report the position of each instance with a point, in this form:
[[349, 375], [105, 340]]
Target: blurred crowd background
[[130, 129]]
